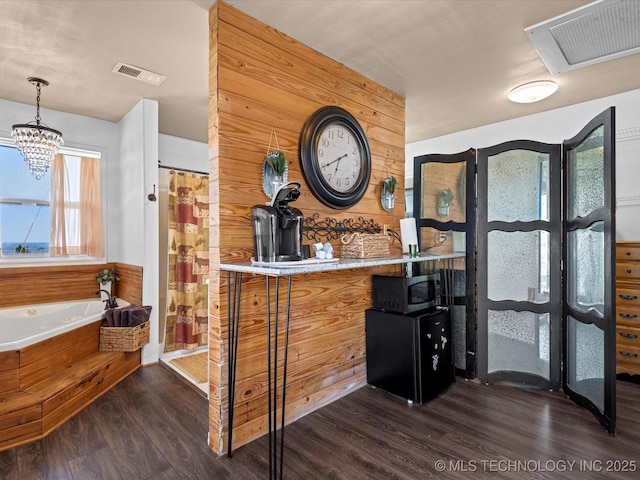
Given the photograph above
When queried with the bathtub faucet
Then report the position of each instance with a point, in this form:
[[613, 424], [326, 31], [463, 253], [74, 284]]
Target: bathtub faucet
[[110, 302]]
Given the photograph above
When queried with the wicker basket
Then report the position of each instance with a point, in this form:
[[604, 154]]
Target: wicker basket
[[359, 245], [124, 339]]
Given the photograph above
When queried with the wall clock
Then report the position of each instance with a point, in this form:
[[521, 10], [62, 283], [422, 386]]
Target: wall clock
[[335, 157]]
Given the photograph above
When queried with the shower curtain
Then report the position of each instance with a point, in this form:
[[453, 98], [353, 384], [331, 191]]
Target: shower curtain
[[188, 245]]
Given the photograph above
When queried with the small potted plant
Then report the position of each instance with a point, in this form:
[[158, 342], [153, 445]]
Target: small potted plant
[[444, 200], [104, 278], [277, 162], [387, 196], [390, 184], [278, 165]]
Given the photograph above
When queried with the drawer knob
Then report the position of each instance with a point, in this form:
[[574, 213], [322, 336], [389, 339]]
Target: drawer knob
[[628, 315], [628, 354], [628, 254], [628, 297], [628, 270], [628, 335]]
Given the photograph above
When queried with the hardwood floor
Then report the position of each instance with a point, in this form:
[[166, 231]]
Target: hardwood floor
[[134, 432]]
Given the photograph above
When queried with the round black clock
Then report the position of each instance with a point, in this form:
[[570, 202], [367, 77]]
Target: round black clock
[[335, 157]]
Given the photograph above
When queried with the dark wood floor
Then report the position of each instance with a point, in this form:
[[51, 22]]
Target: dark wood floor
[[154, 427]]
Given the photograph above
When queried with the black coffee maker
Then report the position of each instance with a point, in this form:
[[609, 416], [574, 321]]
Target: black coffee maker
[[277, 229]]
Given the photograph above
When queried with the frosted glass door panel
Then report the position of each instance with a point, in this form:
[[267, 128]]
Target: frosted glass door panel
[[437, 241], [444, 191], [518, 279], [518, 266], [589, 355], [586, 162], [518, 341], [585, 374], [586, 268], [518, 186]]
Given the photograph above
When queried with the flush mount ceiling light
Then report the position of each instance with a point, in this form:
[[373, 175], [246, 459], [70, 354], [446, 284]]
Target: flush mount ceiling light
[[37, 143], [533, 92]]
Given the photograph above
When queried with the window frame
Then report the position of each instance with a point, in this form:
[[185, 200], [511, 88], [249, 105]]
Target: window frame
[[43, 261]]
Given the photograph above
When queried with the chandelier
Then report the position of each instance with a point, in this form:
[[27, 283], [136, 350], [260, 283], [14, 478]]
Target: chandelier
[[37, 143]]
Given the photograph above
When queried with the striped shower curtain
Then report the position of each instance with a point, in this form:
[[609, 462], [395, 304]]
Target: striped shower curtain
[[187, 294]]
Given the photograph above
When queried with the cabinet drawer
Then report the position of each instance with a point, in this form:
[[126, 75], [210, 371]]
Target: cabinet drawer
[[627, 316], [627, 271], [628, 253], [627, 354], [627, 297], [627, 336]]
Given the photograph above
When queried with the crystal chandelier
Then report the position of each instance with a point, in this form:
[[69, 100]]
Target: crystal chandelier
[[37, 143]]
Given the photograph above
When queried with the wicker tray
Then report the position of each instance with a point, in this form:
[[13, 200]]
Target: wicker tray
[[124, 339], [360, 245]]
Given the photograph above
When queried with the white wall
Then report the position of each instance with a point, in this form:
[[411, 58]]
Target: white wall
[[554, 126], [182, 153], [78, 132], [138, 221]]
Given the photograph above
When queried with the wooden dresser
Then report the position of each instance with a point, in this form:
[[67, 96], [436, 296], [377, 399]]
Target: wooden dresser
[[628, 307]]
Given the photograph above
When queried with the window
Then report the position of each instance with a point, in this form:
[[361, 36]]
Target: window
[[36, 225]]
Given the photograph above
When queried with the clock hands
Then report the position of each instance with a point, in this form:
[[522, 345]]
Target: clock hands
[[334, 161], [338, 164]]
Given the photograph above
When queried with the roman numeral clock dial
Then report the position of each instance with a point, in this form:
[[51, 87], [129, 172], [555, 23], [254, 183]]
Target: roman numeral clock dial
[[335, 157]]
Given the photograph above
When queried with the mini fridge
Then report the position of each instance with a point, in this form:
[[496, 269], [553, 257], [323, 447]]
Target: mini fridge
[[410, 355]]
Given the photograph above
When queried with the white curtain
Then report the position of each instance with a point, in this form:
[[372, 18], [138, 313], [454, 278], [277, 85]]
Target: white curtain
[[76, 207]]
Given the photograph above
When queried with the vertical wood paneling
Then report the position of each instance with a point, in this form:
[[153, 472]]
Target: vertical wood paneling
[[9, 372], [129, 287], [261, 79]]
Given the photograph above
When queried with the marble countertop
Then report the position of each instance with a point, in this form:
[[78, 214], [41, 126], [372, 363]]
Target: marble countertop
[[312, 265]]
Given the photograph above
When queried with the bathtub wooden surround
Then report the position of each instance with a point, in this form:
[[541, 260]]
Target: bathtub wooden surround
[[45, 384]]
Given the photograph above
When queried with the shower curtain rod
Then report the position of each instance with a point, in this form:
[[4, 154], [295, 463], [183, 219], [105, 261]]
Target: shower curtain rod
[[186, 170]]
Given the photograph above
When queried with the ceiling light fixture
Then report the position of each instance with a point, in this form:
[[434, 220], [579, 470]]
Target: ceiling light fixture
[[533, 92], [37, 143]]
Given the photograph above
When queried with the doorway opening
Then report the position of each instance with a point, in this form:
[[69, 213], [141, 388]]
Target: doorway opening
[[183, 202]]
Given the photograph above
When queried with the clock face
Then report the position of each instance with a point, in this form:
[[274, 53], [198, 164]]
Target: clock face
[[339, 157], [335, 157]]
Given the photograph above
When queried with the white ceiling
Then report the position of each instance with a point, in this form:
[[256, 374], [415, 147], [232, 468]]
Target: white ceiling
[[453, 60]]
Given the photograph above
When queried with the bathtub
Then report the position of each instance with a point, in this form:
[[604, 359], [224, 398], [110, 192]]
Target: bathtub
[[26, 325]]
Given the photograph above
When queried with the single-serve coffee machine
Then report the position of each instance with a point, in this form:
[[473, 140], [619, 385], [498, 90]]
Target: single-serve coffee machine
[[277, 229]]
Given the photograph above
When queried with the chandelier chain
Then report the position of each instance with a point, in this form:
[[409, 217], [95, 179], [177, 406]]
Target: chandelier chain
[[38, 103]]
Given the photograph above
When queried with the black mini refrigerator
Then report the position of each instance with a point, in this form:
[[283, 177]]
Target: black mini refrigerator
[[410, 355]]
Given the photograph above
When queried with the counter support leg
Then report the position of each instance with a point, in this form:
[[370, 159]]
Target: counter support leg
[[269, 381], [233, 319], [275, 466]]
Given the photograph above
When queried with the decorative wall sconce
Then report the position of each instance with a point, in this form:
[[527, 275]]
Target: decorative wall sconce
[[444, 201], [275, 168], [387, 194], [37, 143]]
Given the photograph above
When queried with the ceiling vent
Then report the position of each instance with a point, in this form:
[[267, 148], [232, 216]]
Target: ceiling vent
[[595, 33], [139, 74]]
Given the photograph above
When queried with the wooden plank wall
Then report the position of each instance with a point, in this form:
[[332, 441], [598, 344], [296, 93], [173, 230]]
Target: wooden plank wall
[[259, 79], [129, 287], [36, 285]]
